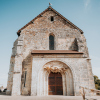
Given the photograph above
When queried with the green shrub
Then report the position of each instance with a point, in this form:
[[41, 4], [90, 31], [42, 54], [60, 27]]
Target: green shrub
[[97, 82]]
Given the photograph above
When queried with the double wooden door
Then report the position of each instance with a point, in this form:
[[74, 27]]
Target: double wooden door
[[55, 84]]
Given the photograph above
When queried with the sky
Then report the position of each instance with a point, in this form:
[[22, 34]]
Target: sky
[[14, 14]]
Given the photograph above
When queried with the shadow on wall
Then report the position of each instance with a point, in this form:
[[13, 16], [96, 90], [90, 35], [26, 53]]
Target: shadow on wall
[[74, 45], [26, 75]]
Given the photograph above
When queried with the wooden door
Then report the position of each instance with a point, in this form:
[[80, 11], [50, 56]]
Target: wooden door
[[55, 84]]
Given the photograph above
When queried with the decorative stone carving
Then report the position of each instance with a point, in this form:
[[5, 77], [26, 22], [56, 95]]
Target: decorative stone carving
[[55, 69]]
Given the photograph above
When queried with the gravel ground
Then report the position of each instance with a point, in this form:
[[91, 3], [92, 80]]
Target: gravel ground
[[5, 97]]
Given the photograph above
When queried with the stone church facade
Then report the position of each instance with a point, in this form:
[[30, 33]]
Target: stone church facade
[[50, 57]]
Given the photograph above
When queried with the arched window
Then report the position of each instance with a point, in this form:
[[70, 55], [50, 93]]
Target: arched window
[[51, 42]]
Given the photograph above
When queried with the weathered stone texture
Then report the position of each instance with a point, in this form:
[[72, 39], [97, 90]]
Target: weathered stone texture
[[36, 37]]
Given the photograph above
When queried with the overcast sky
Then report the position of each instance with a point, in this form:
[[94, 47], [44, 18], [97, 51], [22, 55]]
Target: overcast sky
[[14, 14]]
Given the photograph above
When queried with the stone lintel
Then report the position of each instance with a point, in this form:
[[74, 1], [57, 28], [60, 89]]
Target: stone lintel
[[55, 52], [57, 55]]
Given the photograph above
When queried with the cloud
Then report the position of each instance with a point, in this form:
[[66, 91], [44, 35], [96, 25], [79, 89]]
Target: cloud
[[86, 3]]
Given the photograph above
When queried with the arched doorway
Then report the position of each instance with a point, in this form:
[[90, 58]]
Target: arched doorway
[[49, 73], [55, 84]]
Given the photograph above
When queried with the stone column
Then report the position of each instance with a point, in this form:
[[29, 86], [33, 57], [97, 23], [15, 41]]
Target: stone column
[[17, 68], [67, 83], [64, 83], [71, 85], [90, 75], [46, 83], [11, 69], [9, 83], [17, 76], [34, 83], [35, 78], [42, 83], [10, 77]]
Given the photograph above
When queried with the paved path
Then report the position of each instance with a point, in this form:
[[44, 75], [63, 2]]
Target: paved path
[[5, 97]]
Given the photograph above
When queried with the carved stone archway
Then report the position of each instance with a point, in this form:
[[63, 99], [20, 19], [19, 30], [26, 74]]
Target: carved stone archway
[[55, 67]]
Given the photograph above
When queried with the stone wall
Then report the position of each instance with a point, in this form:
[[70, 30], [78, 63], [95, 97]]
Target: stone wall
[[36, 37], [77, 65], [11, 68], [26, 66]]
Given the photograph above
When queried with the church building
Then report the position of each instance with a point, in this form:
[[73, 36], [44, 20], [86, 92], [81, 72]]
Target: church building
[[49, 57]]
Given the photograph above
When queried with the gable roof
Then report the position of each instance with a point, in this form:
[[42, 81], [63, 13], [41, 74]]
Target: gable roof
[[50, 8]]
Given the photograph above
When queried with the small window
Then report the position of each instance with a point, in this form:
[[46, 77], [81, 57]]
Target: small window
[[52, 18], [51, 42]]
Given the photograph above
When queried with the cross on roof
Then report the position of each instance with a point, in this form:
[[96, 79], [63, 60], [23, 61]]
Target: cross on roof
[[50, 4]]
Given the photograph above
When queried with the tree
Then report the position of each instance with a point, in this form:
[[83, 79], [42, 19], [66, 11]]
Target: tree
[[97, 82]]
